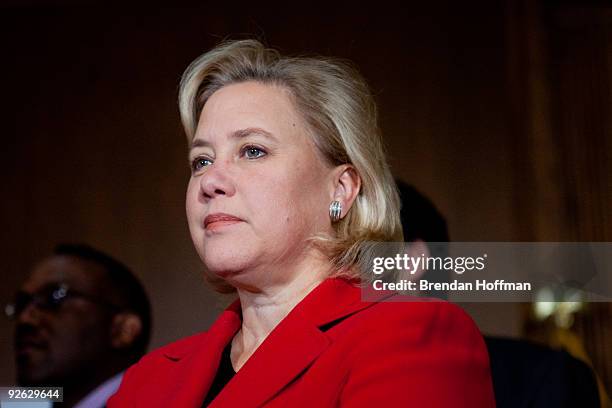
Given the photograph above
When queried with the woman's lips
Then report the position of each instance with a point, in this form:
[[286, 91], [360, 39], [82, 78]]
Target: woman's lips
[[219, 220]]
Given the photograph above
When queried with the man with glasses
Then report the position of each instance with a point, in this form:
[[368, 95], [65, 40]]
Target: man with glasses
[[81, 319]]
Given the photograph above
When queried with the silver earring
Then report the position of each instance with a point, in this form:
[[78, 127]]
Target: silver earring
[[335, 209]]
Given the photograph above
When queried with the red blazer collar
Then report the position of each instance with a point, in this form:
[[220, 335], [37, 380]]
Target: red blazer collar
[[288, 349]]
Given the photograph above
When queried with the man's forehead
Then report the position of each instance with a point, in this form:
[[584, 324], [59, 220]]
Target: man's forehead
[[73, 271]]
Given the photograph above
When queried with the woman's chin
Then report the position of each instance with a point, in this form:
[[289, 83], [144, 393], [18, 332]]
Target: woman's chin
[[226, 267], [238, 278], [219, 255]]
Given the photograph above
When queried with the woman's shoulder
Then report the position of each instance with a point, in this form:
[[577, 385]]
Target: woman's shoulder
[[425, 312], [430, 352], [174, 351], [345, 309], [151, 368], [425, 324]]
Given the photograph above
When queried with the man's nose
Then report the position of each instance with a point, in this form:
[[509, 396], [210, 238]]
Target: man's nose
[[29, 314]]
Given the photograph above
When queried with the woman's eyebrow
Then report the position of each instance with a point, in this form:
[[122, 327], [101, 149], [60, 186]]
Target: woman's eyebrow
[[237, 134], [199, 143], [241, 133]]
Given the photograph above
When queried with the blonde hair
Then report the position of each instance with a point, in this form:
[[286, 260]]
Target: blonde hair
[[337, 105]]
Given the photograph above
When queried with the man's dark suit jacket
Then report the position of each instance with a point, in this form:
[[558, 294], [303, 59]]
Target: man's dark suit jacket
[[529, 375]]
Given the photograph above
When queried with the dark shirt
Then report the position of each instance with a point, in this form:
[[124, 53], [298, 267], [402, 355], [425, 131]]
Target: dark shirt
[[225, 373]]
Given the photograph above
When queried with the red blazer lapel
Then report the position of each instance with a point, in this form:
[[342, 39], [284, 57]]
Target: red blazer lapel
[[281, 357], [292, 346], [196, 367]]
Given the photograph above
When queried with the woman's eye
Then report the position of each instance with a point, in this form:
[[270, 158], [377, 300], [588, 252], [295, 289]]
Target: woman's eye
[[199, 163], [252, 152]]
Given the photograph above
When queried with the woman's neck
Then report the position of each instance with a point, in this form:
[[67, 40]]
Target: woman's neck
[[264, 308]]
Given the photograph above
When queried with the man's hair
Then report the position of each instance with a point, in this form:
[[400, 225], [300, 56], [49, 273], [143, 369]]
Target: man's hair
[[128, 288], [341, 119], [420, 218]]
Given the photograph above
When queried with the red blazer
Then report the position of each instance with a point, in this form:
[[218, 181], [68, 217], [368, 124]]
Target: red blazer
[[331, 350]]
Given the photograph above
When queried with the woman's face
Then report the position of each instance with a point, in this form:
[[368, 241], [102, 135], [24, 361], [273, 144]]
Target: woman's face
[[258, 187]]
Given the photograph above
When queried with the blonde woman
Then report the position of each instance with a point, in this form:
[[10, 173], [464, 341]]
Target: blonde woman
[[288, 184]]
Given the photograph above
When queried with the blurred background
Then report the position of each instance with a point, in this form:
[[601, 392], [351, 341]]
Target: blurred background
[[499, 111]]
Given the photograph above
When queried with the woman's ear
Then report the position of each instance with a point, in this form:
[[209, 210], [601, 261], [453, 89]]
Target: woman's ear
[[347, 187], [126, 328]]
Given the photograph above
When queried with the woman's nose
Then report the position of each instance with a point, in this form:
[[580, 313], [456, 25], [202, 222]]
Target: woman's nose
[[217, 181]]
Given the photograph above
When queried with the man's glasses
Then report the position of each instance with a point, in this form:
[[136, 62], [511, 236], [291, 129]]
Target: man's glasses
[[50, 298]]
